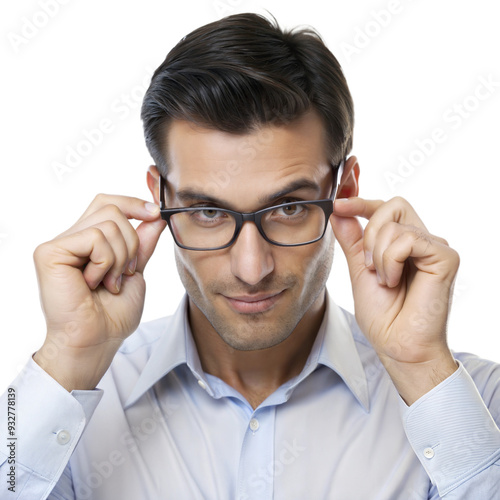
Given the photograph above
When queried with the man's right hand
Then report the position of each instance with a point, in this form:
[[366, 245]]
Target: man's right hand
[[92, 287]]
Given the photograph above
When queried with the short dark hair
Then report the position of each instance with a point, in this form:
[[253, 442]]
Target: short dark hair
[[242, 72]]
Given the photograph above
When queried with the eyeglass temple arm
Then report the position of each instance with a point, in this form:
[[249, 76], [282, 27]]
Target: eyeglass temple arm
[[339, 170], [162, 193]]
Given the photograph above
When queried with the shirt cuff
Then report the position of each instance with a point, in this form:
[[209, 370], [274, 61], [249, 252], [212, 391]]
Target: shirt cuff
[[50, 420], [452, 432]]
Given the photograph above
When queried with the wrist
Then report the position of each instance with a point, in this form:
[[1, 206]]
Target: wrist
[[413, 380], [76, 369]]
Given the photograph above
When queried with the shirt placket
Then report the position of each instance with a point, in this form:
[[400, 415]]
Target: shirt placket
[[257, 464]]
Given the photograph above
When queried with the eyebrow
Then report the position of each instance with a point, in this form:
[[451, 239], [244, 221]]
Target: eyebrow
[[189, 194]]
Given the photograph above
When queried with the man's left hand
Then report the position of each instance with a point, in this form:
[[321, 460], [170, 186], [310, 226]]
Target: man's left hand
[[402, 279]]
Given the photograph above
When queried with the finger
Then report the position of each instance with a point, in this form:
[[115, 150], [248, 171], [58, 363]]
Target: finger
[[131, 207], [349, 234], [396, 210], [383, 240], [439, 239], [115, 238], [389, 234], [149, 234], [387, 265], [114, 214], [356, 207], [428, 254], [349, 231], [89, 248], [399, 209]]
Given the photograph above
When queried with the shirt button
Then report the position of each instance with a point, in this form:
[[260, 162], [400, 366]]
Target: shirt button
[[428, 453], [63, 437], [254, 424], [202, 384]]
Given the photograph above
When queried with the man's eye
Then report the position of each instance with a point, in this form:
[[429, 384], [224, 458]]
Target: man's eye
[[290, 210], [210, 213]]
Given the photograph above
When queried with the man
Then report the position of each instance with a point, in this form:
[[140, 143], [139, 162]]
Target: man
[[259, 386]]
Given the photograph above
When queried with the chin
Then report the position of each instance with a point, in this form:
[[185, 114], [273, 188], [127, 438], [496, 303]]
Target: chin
[[254, 335]]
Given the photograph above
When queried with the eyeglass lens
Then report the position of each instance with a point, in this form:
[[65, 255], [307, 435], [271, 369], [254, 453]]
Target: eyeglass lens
[[207, 227]]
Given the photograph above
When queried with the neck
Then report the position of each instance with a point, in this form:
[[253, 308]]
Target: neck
[[256, 374]]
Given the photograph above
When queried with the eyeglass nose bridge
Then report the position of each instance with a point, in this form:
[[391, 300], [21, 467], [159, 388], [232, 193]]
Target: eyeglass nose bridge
[[249, 217]]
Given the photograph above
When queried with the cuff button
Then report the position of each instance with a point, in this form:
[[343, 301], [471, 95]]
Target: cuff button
[[63, 437]]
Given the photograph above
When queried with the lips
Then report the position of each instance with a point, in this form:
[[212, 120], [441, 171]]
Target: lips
[[251, 304]]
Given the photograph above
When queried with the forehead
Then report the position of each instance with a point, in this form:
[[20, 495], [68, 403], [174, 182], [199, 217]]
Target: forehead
[[241, 168]]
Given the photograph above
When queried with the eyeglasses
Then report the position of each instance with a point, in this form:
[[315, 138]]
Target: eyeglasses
[[213, 228]]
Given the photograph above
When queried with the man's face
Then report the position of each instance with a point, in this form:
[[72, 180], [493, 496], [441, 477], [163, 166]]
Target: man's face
[[253, 293]]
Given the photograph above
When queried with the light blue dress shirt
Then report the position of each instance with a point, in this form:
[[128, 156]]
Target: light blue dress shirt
[[158, 427]]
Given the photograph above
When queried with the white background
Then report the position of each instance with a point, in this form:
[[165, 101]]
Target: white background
[[92, 60]]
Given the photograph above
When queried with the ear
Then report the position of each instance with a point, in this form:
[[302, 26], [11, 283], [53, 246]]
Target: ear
[[153, 180], [349, 184]]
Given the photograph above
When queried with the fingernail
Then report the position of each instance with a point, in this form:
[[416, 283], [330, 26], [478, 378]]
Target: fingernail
[[368, 258], [342, 200], [379, 279], [118, 283], [131, 266], [152, 208]]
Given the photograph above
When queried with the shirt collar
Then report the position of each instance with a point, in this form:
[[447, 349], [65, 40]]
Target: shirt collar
[[338, 351], [167, 353], [334, 347]]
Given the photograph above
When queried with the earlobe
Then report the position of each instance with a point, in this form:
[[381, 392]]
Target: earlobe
[[153, 180], [349, 185]]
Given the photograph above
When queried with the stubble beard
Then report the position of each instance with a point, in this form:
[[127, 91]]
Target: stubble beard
[[257, 331]]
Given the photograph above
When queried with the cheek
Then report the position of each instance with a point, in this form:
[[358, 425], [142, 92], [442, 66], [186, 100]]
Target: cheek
[[197, 267], [317, 256]]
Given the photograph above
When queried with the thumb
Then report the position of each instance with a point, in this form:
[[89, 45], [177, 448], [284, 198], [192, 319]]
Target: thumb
[[149, 234], [349, 233]]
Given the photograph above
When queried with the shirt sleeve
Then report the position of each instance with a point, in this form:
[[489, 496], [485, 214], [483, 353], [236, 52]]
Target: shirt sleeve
[[39, 433], [455, 436]]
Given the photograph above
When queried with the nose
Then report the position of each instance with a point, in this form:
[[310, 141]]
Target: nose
[[251, 255]]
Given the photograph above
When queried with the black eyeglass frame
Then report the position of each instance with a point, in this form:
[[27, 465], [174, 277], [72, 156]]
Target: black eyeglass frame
[[240, 217]]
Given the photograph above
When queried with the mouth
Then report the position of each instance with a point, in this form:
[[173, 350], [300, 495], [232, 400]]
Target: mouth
[[250, 304]]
